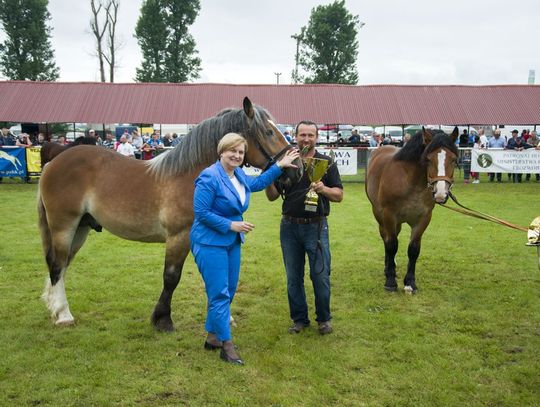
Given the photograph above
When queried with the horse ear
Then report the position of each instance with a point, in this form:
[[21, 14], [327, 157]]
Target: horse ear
[[248, 108], [455, 134], [426, 135]]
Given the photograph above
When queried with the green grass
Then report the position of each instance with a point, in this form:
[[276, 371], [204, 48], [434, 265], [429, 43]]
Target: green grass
[[471, 336]]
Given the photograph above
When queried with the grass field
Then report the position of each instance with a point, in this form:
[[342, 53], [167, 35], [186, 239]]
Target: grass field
[[470, 337]]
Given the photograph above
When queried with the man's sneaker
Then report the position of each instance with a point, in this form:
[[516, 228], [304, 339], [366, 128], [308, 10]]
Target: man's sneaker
[[297, 327], [325, 327]]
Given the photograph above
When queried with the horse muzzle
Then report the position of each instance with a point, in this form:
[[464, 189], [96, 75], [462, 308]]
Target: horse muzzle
[[440, 189]]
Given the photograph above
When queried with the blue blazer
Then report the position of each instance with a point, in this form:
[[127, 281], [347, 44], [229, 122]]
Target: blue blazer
[[216, 203]]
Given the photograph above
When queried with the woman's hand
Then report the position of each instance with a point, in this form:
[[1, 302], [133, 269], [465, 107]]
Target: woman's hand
[[241, 226], [287, 160]]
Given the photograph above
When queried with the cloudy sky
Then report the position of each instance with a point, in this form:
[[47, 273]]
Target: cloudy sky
[[472, 42]]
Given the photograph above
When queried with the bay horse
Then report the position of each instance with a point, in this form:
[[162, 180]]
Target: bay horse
[[403, 186], [51, 149], [86, 187]]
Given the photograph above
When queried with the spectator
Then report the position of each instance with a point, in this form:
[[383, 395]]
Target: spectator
[[40, 140], [6, 138], [23, 140], [375, 140], [496, 142], [287, 135], [136, 140], [150, 147], [61, 140], [533, 141], [167, 140], [406, 138], [354, 138], [92, 133], [483, 139], [109, 141], [464, 138], [477, 146], [306, 233], [124, 147], [517, 144], [175, 140]]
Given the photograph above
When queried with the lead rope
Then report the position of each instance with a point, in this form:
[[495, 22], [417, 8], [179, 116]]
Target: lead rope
[[480, 215]]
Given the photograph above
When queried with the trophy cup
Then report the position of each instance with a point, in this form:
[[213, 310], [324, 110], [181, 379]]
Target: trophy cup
[[315, 169]]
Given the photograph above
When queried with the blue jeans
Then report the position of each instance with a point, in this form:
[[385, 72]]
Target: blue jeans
[[296, 242]]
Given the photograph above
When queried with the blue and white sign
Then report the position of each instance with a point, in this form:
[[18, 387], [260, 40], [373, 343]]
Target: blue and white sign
[[12, 162]]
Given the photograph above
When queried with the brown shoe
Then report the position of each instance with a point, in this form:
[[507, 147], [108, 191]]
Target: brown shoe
[[325, 327], [212, 342], [228, 354], [297, 327]]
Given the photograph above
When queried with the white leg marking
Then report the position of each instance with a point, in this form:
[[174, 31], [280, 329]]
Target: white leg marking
[[56, 300]]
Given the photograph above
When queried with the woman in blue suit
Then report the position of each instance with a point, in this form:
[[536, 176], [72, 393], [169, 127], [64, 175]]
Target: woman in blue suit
[[222, 193]]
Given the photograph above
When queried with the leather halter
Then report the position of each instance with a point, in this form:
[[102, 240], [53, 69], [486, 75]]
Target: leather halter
[[271, 160]]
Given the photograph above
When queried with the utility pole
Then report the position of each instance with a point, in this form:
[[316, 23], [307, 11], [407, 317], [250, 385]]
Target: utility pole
[[277, 76], [298, 38]]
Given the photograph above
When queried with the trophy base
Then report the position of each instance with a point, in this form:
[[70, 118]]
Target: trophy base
[[310, 208]]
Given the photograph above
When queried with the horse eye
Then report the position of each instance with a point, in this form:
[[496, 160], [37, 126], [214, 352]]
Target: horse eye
[[269, 132]]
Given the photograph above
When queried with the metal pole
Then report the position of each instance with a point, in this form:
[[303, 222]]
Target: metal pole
[[277, 77]]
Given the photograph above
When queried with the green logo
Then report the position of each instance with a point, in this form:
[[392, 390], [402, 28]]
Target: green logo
[[484, 160]]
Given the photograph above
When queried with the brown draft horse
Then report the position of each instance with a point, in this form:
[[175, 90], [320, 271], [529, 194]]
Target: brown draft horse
[[403, 186], [51, 149], [86, 187]]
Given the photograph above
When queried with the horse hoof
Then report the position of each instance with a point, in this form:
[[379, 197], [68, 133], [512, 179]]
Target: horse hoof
[[65, 322], [390, 288], [409, 290], [163, 324]]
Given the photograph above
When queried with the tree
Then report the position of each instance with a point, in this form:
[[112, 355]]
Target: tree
[[168, 50], [328, 46], [99, 33], [26, 53], [105, 53]]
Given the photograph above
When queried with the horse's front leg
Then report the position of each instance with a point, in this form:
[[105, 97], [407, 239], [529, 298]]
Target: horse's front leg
[[390, 249], [177, 248], [413, 252]]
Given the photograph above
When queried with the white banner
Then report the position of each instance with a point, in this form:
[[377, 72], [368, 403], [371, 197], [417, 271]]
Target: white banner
[[345, 158], [512, 161]]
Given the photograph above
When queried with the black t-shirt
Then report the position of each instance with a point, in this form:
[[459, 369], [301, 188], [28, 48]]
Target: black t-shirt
[[293, 204]]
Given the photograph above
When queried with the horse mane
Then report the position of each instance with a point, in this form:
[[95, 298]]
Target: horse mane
[[416, 151], [199, 146]]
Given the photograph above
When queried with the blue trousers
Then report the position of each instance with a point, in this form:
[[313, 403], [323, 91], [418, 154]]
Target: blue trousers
[[220, 268], [296, 242]]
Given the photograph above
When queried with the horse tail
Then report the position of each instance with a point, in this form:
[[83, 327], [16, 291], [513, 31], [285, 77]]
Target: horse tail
[[45, 231]]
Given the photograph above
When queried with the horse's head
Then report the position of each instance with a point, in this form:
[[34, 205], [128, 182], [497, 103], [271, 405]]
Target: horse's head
[[440, 156], [266, 143]]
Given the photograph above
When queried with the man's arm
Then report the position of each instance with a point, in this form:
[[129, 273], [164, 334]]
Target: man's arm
[[334, 194]]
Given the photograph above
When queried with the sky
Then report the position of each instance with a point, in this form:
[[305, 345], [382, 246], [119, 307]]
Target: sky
[[469, 42]]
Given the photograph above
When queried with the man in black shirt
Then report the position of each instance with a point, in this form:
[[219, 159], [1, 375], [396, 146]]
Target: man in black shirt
[[304, 232]]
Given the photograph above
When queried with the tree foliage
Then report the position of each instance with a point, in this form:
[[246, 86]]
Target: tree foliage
[[168, 50], [328, 46], [26, 53]]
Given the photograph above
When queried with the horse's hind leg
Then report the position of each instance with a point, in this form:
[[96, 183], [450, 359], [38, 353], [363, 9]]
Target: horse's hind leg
[[64, 247], [177, 248]]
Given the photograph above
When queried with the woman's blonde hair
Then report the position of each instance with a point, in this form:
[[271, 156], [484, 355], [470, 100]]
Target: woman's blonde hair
[[229, 141]]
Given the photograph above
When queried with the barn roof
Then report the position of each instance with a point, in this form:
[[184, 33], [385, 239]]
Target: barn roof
[[91, 102]]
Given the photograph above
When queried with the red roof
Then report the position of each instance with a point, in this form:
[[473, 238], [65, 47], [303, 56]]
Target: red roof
[[90, 102]]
